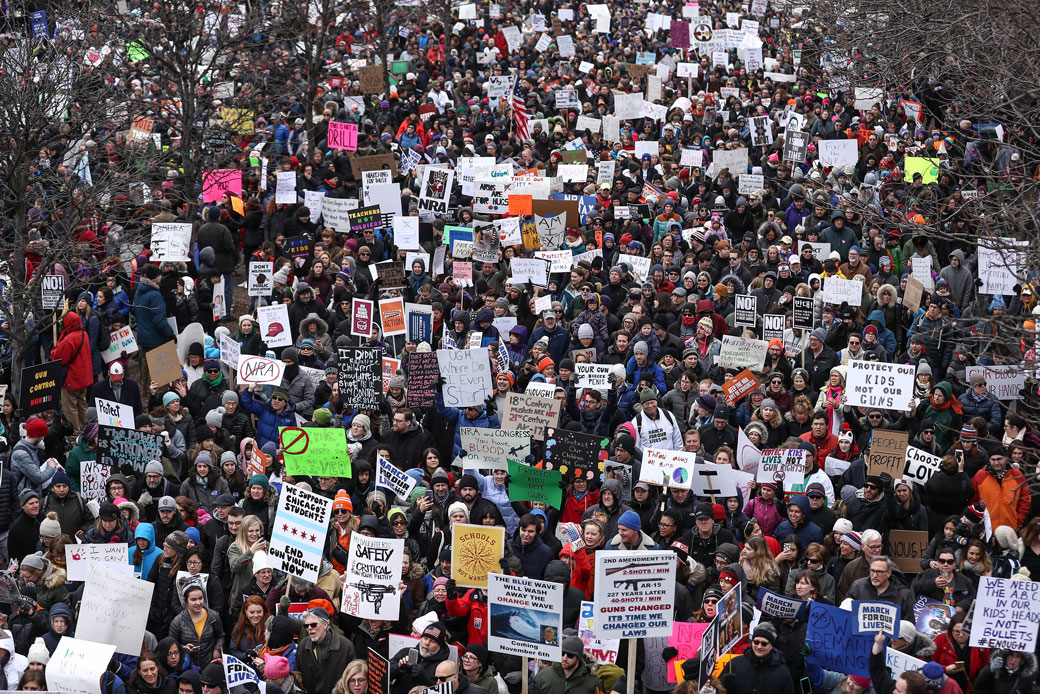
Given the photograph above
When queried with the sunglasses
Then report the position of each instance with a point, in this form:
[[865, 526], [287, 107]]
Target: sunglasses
[[341, 512], [871, 486], [443, 678], [275, 397], [397, 521], [944, 561]]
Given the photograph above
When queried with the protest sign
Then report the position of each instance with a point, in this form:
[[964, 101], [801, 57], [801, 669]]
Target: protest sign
[[285, 188], [748, 454], [708, 652], [920, 465], [423, 372], [391, 316], [730, 619], [170, 242], [524, 617], [709, 480], [838, 291], [373, 572], [361, 314], [527, 483], [873, 616], [120, 342], [260, 282], [887, 452], [776, 605], [52, 291], [467, 376], [595, 376], [839, 153], [604, 651], [785, 465], [435, 190], [254, 370], [1005, 382], [420, 324], [92, 478], [878, 384], [298, 535], [740, 385], [41, 386], [913, 294], [773, 325], [119, 448], [390, 369], [238, 676], [931, 618], [274, 325], [110, 611], [908, 548], [746, 311], [79, 557], [803, 314], [378, 673], [662, 467], [492, 448], [570, 451], [393, 479], [391, 274], [230, 351], [533, 270], [343, 135], [76, 666], [742, 353], [313, 451], [475, 553], [835, 645], [635, 594], [998, 264], [220, 181], [360, 376], [1006, 615], [114, 414], [530, 412], [686, 639]]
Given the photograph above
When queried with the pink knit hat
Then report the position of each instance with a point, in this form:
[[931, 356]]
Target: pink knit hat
[[276, 667]]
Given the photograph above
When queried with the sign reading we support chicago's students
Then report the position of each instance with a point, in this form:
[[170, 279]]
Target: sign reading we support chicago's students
[[298, 535]]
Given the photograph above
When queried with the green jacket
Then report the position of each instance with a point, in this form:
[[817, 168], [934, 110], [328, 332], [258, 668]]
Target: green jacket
[[77, 456], [551, 680]]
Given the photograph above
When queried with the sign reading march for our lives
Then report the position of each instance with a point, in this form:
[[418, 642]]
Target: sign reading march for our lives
[[835, 645], [298, 535], [635, 594], [390, 477], [467, 376], [373, 572], [873, 616], [876, 384], [312, 451], [776, 605], [1006, 614], [239, 676], [524, 617]]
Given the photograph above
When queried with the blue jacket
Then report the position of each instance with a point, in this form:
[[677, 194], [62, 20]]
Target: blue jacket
[[886, 337], [150, 310], [25, 464], [267, 420], [456, 418], [145, 531], [986, 407], [651, 371], [534, 557], [559, 342]]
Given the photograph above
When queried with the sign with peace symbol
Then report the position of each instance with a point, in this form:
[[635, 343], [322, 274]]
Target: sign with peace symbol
[[702, 32]]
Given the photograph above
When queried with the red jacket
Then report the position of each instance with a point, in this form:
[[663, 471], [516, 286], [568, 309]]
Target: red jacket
[[574, 509], [73, 349], [473, 605], [823, 449], [945, 655]]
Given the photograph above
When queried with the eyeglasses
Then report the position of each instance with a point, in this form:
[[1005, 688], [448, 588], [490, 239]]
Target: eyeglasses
[[879, 571], [871, 486], [875, 546], [760, 642], [945, 561], [814, 496], [711, 601], [813, 560], [398, 521], [357, 680], [364, 255], [194, 562], [665, 525], [277, 397], [311, 625], [341, 512], [212, 371], [873, 416]]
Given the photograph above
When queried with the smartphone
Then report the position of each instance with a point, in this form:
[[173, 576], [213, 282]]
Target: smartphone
[[788, 547], [413, 656], [429, 494], [959, 664]]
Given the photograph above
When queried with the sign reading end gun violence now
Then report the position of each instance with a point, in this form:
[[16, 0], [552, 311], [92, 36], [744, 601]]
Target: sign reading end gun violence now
[[635, 594], [298, 535]]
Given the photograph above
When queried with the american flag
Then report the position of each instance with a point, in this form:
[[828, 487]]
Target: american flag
[[519, 112]]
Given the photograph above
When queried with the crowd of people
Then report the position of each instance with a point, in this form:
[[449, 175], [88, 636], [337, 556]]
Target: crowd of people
[[197, 520]]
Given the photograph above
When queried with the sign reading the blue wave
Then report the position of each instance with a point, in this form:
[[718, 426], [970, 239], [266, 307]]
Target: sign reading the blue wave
[[525, 614]]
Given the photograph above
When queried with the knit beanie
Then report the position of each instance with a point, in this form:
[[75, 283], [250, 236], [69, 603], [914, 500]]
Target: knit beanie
[[50, 527], [215, 417], [38, 652]]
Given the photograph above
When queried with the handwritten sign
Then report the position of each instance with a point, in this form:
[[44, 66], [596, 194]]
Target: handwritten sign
[[1006, 614], [254, 370], [877, 384], [343, 136], [782, 465], [887, 452], [313, 451]]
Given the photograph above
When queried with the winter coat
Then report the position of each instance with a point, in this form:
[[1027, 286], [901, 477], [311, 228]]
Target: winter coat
[[182, 630], [218, 237], [946, 654], [1007, 499], [986, 407], [268, 420], [961, 281], [534, 557], [456, 418], [145, 531], [997, 679], [897, 593], [421, 674], [553, 680], [885, 337], [73, 515], [73, 350], [749, 674], [25, 464], [150, 311], [129, 393], [50, 589], [16, 663], [499, 496]]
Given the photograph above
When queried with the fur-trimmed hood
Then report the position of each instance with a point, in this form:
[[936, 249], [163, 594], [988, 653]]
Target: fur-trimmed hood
[[323, 327], [998, 655], [886, 288]]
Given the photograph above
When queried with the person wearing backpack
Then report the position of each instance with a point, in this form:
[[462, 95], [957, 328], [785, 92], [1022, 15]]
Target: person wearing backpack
[[74, 351], [656, 427], [25, 458]]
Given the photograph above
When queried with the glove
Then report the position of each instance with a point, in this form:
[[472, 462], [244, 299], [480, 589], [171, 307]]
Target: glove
[[283, 603], [669, 653], [886, 479], [490, 405], [503, 564], [452, 591], [145, 499]]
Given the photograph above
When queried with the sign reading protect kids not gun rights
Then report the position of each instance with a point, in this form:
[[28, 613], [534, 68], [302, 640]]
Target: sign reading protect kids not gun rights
[[635, 594]]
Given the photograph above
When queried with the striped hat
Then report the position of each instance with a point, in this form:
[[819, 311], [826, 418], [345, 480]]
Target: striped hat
[[969, 434], [853, 539]]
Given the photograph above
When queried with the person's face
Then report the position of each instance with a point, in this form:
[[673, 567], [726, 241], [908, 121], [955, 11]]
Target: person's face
[[428, 646], [185, 688], [879, 573], [803, 588], [816, 501], [59, 625], [195, 601], [974, 554], [468, 494], [704, 526], [439, 593], [316, 628], [998, 463], [819, 428], [173, 656], [254, 613], [357, 684], [761, 647], [254, 532], [871, 491], [960, 634], [457, 517], [592, 535], [795, 514], [32, 507], [264, 576], [149, 670]]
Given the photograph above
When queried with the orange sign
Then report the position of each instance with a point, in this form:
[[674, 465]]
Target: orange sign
[[520, 204], [391, 316], [740, 385]]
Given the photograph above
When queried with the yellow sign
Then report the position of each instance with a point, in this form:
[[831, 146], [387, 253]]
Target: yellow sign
[[928, 168], [475, 552], [241, 120]]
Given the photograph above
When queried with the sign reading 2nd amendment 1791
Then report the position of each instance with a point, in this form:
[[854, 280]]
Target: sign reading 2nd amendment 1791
[[635, 593]]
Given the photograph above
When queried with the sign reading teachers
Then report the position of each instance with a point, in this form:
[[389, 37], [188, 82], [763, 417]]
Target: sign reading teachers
[[1006, 614], [524, 617], [298, 537]]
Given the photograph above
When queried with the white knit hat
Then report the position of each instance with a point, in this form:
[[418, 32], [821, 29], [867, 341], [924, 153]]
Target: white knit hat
[[38, 652]]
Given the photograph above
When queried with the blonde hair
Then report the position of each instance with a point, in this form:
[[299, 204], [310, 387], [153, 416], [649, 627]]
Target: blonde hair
[[242, 538]]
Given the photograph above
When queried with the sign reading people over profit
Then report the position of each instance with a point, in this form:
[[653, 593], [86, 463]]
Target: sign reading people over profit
[[313, 451], [475, 553], [524, 617], [877, 384], [128, 448], [298, 533], [635, 594], [1006, 614], [887, 452]]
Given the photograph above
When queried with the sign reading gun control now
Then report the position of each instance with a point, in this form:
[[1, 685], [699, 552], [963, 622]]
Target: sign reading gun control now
[[635, 594]]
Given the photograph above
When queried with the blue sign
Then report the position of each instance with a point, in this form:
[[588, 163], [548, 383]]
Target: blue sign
[[586, 204], [38, 20], [831, 634]]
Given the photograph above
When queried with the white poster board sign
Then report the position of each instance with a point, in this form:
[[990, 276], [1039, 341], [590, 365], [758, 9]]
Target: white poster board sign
[[111, 609], [514, 600], [373, 572], [626, 579], [878, 384]]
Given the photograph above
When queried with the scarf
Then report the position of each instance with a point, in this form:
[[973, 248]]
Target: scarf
[[213, 382], [950, 402]]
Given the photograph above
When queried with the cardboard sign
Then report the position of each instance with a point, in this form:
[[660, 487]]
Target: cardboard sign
[[887, 452], [378, 673], [393, 479], [274, 325], [624, 579], [254, 370], [527, 483], [530, 412], [467, 376], [423, 372], [475, 553], [118, 447], [785, 465], [666, 468], [110, 612], [685, 638], [298, 534], [41, 386], [360, 377], [216, 183], [163, 365], [1005, 614], [596, 376], [373, 572], [908, 548], [740, 385], [515, 600], [873, 616], [838, 291], [314, 451], [879, 384], [493, 448], [730, 619]]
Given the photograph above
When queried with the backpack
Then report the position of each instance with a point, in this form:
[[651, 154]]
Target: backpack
[[104, 338]]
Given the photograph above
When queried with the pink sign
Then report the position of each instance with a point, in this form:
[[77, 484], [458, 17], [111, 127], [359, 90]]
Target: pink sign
[[216, 183], [342, 136]]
